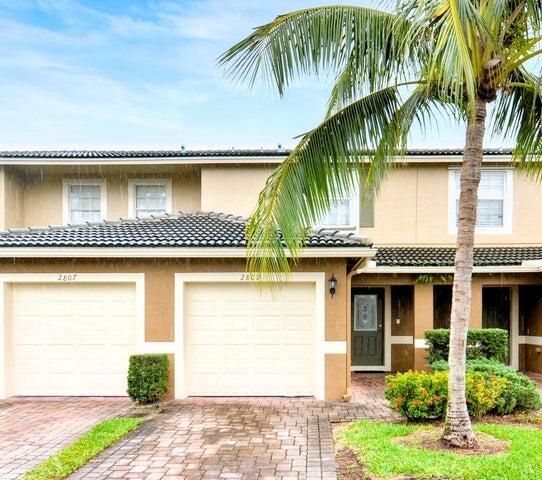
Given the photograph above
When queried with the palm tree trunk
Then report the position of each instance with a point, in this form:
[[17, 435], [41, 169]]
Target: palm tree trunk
[[458, 430]]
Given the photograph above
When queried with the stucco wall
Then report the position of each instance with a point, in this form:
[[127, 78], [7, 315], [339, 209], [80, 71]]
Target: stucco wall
[[12, 193], [232, 189], [412, 208], [34, 197], [159, 296]]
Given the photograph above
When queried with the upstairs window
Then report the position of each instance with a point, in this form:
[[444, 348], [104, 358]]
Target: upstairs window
[[340, 214], [343, 212], [494, 201], [84, 201], [149, 197]]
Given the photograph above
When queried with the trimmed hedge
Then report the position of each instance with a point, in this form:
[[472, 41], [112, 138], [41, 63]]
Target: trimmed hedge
[[489, 343], [521, 393], [419, 395], [148, 377]]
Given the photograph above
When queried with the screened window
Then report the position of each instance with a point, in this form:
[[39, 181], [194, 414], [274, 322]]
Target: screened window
[[84, 202], [150, 200], [494, 201]]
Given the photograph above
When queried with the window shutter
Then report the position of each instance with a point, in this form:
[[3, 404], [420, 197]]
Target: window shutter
[[366, 209]]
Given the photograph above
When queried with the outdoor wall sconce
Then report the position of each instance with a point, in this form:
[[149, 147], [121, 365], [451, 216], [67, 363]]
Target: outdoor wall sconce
[[332, 285]]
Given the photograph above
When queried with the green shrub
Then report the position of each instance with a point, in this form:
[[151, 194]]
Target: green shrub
[[440, 366], [423, 395], [148, 377], [483, 392], [490, 343], [521, 393], [418, 395]]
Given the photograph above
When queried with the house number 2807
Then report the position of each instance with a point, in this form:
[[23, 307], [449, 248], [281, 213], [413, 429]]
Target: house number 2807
[[66, 277]]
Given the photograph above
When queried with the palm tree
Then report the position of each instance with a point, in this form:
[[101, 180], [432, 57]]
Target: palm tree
[[394, 70]]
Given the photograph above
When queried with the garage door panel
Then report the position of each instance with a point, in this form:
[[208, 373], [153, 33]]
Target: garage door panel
[[235, 322], [242, 341], [72, 339], [298, 322]]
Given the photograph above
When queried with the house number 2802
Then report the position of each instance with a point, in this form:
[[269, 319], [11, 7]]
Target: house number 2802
[[66, 277]]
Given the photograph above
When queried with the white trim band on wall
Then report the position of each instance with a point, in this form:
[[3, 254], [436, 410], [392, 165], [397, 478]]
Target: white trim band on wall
[[420, 343], [402, 340], [335, 347], [530, 340], [157, 347]]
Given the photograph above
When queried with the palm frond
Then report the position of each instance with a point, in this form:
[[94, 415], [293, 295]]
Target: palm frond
[[517, 117], [326, 164], [322, 38], [418, 108], [453, 29]]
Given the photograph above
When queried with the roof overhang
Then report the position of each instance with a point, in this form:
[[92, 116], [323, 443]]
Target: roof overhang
[[220, 160], [160, 252], [211, 160]]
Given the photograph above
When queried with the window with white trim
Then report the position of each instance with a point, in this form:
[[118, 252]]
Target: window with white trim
[[84, 201], [149, 197], [344, 212], [494, 201]]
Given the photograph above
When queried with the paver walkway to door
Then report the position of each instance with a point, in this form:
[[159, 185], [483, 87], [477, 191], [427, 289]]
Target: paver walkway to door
[[34, 428]]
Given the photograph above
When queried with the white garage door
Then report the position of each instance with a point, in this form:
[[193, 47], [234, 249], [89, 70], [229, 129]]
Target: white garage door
[[72, 339], [242, 341]]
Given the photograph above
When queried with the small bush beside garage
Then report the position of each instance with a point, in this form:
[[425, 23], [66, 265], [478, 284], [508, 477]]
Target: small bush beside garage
[[148, 378]]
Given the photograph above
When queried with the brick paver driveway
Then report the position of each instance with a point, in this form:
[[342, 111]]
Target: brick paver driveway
[[33, 429], [246, 439], [239, 438]]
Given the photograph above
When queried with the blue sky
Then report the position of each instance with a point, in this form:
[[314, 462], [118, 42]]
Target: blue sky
[[143, 74]]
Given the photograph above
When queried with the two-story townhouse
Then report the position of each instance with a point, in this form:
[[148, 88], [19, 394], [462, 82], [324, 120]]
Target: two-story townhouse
[[83, 289], [413, 223]]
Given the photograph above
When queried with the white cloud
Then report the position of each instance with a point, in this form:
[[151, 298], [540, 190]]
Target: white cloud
[[75, 74]]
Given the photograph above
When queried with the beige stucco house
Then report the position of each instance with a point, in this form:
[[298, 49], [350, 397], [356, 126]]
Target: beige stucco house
[[96, 263]]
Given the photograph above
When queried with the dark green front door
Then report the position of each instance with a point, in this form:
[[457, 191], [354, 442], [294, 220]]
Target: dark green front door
[[496, 308], [368, 327]]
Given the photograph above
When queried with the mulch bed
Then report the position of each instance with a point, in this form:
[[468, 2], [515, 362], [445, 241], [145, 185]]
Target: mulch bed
[[533, 420], [429, 439], [348, 466]]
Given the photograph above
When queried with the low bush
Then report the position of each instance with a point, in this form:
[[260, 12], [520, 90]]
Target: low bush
[[148, 377], [521, 393], [489, 343], [423, 395]]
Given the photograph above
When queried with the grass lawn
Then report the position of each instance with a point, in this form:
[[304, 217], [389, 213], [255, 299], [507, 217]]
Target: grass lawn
[[87, 446], [385, 458]]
